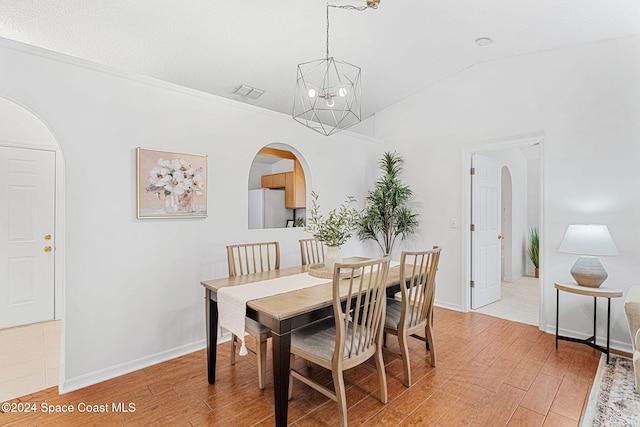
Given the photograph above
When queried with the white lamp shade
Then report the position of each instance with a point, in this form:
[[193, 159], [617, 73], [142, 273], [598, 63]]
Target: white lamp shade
[[588, 239]]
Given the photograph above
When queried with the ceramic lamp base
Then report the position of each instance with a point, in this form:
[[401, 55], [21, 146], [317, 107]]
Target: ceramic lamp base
[[588, 271]]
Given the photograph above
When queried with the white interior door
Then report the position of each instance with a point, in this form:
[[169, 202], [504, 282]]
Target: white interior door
[[485, 237], [27, 247]]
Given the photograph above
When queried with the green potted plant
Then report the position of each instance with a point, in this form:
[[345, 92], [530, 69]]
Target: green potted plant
[[387, 214], [533, 249], [333, 230]]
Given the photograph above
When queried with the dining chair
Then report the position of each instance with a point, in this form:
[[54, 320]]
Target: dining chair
[[249, 258], [349, 338], [412, 316], [311, 251]]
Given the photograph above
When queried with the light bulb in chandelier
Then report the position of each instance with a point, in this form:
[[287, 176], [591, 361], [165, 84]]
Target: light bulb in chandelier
[[342, 92], [312, 93], [330, 102]]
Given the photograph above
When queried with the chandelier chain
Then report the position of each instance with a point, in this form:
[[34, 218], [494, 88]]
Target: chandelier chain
[[337, 6], [327, 30]]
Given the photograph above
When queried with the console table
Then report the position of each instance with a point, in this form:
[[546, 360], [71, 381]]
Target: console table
[[591, 292]]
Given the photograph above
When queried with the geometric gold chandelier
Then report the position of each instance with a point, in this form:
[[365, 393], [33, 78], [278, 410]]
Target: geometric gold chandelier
[[328, 91]]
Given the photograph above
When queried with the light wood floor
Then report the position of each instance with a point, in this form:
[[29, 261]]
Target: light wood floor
[[490, 372]]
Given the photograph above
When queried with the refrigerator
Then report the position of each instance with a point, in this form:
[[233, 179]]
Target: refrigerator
[[266, 209]]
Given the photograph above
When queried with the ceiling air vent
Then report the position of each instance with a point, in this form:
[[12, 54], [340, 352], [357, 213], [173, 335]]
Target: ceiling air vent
[[248, 91]]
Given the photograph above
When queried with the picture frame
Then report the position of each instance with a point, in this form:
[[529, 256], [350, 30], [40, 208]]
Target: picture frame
[[170, 184], [289, 223]]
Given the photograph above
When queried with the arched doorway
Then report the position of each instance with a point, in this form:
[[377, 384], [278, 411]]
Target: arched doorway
[[277, 188], [32, 252]]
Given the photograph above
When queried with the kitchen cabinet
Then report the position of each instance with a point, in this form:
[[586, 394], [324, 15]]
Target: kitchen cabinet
[[293, 183], [276, 180]]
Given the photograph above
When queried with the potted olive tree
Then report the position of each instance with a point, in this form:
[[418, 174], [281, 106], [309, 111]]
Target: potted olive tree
[[533, 249], [333, 230], [387, 214]]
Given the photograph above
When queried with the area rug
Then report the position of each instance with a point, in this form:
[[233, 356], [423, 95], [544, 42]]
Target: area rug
[[612, 401]]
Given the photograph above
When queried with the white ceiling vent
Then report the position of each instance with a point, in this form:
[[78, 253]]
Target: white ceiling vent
[[248, 91]]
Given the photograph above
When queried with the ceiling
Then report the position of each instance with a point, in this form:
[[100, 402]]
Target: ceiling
[[402, 47]]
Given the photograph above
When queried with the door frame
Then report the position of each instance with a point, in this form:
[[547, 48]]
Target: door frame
[[486, 147]]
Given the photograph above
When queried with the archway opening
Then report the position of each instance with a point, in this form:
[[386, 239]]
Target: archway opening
[[31, 152], [277, 189]]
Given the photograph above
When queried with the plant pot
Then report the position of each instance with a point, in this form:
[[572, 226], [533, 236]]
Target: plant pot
[[333, 256], [536, 272]]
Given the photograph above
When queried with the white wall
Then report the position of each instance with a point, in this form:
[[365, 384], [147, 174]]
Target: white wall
[[255, 174], [20, 127], [132, 287], [284, 165], [506, 223], [516, 162], [586, 101]]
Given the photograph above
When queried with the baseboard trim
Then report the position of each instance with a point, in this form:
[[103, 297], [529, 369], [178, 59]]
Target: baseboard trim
[[454, 307], [105, 374]]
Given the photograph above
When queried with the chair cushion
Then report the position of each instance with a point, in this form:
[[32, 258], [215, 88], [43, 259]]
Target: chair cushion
[[394, 309], [255, 328], [319, 338]]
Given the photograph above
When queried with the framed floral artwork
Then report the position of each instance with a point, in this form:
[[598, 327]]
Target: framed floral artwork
[[171, 185]]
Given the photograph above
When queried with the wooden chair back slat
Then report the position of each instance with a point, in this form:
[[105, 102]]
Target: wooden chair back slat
[[249, 258], [359, 325], [419, 270], [311, 251]]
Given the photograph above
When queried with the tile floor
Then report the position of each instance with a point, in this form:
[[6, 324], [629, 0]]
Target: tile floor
[[520, 302], [29, 358]]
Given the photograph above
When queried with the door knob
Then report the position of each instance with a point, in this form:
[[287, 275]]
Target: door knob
[[500, 236], [47, 248], [47, 237]]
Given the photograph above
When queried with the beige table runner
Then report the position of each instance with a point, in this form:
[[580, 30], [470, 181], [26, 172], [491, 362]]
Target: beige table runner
[[232, 300]]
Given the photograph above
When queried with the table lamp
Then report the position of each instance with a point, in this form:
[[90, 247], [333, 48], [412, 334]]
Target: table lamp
[[588, 241]]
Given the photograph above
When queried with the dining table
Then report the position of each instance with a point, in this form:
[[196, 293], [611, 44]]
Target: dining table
[[282, 313]]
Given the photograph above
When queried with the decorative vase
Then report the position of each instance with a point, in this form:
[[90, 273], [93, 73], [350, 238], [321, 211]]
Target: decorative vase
[[333, 256], [176, 203], [171, 203], [185, 202]]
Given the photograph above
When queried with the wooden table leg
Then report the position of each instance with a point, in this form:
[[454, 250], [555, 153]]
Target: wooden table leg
[[211, 311], [281, 346]]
